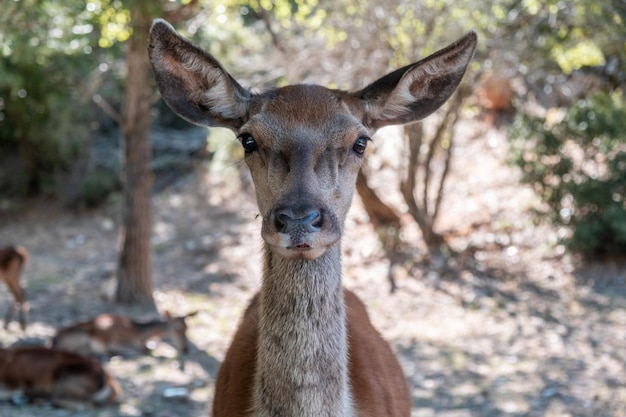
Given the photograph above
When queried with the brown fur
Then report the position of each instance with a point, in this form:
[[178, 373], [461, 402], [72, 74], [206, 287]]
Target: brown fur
[[63, 378], [12, 261], [109, 334], [379, 389]]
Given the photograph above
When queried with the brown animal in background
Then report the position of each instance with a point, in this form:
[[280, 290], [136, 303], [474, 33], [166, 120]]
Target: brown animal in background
[[305, 346], [495, 93], [109, 334], [63, 378], [12, 261]]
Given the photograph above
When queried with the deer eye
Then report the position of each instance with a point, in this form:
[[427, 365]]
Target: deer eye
[[248, 143], [360, 145]]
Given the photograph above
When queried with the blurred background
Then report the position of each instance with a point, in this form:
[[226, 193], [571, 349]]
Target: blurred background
[[489, 239], [550, 74]]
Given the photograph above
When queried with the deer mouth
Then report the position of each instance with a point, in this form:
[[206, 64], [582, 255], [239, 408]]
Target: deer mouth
[[299, 244], [308, 246], [303, 251]]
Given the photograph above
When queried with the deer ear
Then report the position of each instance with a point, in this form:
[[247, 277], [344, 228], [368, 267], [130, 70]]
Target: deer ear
[[192, 82], [415, 91]]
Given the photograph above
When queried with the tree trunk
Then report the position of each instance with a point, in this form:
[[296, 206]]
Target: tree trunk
[[410, 187], [134, 275], [385, 220]]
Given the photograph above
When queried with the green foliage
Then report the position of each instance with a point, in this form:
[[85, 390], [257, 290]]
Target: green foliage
[[97, 187], [50, 67], [230, 31], [552, 36], [36, 112], [574, 157], [41, 119], [577, 163]]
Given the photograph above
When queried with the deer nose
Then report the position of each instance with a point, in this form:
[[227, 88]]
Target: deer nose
[[306, 218]]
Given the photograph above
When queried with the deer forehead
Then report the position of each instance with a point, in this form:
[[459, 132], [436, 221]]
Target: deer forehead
[[301, 117]]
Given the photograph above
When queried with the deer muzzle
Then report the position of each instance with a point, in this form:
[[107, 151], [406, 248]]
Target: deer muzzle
[[303, 230]]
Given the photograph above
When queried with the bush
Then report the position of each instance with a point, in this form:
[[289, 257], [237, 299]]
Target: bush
[[42, 120], [576, 161], [51, 65], [97, 187]]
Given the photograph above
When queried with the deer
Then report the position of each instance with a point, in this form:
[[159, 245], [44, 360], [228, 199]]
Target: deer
[[65, 379], [12, 261], [305, 345], [109, 334]]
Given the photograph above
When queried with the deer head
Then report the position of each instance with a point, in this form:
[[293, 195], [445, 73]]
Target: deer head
[[304, 144]]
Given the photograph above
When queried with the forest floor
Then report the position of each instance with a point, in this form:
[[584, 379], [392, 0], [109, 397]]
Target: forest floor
[[519, 328]]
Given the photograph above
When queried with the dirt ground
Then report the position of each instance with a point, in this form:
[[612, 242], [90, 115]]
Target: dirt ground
[[520, 330]]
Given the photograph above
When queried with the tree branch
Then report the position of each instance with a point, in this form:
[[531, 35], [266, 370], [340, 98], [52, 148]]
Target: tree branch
[[268, 25], [455, 106], [107, 108], [178, 13]]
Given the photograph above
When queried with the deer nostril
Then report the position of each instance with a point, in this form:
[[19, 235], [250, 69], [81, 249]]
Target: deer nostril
[[280, 221], [314, 220], [309, 219]]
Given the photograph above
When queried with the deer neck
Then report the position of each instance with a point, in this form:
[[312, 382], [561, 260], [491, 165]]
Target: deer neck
[[302, 365]]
